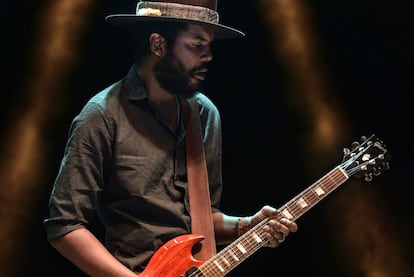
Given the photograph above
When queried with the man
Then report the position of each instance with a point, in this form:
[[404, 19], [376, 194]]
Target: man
[[125, 160]]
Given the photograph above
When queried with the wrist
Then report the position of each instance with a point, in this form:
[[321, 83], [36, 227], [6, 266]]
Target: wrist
[[242, 226]]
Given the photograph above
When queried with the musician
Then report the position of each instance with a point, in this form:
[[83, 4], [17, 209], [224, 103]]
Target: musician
[[124, 164]]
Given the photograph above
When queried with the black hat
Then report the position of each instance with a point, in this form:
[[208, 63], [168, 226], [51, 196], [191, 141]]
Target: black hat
[[200, 12]]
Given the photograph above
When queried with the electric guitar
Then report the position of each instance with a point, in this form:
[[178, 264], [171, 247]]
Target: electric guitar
[[174, 259]]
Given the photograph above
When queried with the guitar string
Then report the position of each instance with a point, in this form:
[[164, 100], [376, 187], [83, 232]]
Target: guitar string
[[326, 184], [310, 196], [230, 253], [343, 166]]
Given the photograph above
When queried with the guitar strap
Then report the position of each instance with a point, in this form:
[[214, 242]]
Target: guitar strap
[[198, 186]]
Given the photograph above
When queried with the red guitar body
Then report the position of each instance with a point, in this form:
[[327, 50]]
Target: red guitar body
[[173, 258]]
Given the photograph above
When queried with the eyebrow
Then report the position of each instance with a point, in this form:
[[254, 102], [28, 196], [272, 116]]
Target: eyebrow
[[199, 37]]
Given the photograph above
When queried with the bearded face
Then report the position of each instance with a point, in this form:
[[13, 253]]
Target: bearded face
[[174, 77]]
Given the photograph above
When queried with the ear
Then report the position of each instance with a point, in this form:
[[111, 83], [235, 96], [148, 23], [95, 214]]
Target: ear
[[157, 44]]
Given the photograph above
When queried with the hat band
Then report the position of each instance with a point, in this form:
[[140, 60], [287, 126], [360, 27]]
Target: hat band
[[145, 8]]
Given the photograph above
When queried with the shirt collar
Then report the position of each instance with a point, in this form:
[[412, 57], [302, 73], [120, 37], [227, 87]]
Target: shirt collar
[[134, 86]]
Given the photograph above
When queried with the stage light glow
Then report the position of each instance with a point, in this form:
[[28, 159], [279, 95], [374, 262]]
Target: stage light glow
[[60, 27], [309, 94], [289, 26]]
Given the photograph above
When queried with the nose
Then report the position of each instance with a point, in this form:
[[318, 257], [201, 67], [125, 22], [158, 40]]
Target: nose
[[207, 54]]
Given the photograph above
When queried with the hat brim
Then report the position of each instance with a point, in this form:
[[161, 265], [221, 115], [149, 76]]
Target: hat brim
[[220, 31]]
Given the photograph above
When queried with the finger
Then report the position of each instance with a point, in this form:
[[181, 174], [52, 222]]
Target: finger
[[269, 211], [291, 225], [279, 235], [277, 232], [278, 227], [273, 235], [282, 238]]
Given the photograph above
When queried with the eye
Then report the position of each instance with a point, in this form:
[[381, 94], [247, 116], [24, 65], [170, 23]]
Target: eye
[[197, 44]]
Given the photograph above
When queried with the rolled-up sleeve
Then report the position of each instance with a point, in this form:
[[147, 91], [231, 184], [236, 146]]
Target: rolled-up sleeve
[[82, 173]]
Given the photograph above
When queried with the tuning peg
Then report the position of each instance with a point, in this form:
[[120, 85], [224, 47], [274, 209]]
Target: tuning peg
[[385, 165], [354, 145], [368, 177], [376, 171], [346, 151]]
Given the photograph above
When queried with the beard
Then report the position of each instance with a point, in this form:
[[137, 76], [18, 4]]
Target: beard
[[172, 75]]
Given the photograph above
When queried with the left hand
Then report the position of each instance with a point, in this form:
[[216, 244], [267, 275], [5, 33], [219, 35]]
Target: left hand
[[278, 227]]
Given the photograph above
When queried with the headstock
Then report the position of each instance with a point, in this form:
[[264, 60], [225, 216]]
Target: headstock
[[367, 157]]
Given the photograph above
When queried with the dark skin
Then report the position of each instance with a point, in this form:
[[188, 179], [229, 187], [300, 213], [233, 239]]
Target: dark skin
[[192, 52]]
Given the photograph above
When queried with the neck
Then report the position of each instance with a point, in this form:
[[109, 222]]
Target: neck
[[163, 101], [156, 93]]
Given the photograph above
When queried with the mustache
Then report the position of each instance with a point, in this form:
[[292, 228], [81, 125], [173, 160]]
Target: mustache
[[203, 67]]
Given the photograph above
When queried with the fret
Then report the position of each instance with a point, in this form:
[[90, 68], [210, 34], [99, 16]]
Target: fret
[[312, 195], [257, 238], [226, 261], [218, 266], [319, 191], [238, 251], [241, 248], [302, 203], [286, 213], [234, 256]]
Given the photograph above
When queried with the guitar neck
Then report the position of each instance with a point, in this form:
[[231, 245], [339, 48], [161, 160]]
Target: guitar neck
[[314, 194], [254, 239]]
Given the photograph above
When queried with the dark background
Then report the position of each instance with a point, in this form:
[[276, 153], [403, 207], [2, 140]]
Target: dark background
[[367, 46]]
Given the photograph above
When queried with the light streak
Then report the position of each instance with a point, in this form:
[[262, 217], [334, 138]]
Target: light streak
[[362, 227], [61, 27]]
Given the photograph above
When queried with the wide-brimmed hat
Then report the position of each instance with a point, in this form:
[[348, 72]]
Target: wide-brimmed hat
[[200, 12]]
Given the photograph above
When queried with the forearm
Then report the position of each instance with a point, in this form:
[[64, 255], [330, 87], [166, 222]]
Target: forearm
[[225, 227], [84, 250]]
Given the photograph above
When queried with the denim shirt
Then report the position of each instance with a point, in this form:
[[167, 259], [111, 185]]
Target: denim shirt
[[125, 168]]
